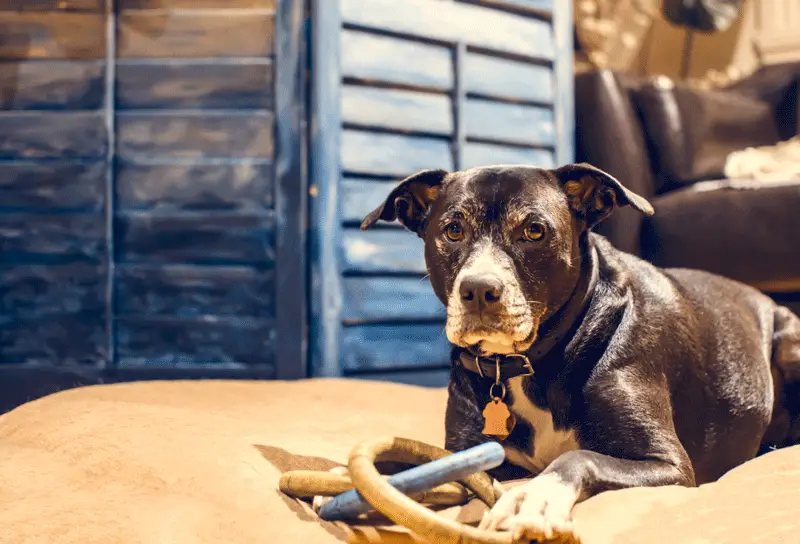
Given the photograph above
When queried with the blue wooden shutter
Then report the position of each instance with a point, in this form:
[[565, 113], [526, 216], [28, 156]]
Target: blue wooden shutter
[[399, 86], [210, 193], [153, 187], [53, 183]]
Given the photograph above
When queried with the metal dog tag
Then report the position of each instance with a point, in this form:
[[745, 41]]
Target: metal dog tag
[[498, 419]]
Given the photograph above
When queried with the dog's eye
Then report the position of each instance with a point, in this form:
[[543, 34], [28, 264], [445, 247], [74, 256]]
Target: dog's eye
[[454, 232], [533, 232]]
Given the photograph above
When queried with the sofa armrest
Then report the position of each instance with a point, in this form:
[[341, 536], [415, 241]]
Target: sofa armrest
[[610, 136]]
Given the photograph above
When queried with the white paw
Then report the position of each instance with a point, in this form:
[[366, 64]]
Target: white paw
[[540, 509]]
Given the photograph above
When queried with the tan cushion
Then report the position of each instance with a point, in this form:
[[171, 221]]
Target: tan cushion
[[189, 462]]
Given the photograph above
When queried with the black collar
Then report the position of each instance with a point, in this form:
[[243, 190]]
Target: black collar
[[552, 332]]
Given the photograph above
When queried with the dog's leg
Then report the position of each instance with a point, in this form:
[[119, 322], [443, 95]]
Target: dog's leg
[[463, 418], [786, 343], [628, 440], [542, 508], [785, 426]]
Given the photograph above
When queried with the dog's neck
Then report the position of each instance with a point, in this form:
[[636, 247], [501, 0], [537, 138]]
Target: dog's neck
[[553, 332]]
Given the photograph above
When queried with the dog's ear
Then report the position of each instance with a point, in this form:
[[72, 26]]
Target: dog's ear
[[593, 194], [409, 201]]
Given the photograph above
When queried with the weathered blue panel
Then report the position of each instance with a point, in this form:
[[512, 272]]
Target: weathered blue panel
[[196, 193], [200, 238], [509, 122], [502, 78], [386, 299], [61, 85], [376, 347], [486, 155], [35, 35], [392, 155], [292, 188], [392, 60], [171, 341], [197, 4], [195, 85], [399, 110], [54, 340], [36, 135], [52, 5], [243, 186], [507, 108], [27, 238], [459, 98], [565, 76], [475, 25], [192, 291], [391, 251], [37, 291], [325, 296], [164, 34], [360, 196], [192, 135], [52, 186]]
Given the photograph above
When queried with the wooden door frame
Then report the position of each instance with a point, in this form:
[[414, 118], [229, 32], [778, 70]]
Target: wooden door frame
[[325, 234], [291, 191]]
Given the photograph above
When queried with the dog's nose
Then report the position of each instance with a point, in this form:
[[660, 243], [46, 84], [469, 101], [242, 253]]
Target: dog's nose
[[481, 291]]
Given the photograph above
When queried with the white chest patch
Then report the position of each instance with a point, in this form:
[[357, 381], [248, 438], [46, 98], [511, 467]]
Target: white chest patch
[[548, 443]]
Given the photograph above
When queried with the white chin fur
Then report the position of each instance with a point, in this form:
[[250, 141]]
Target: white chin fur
[[489, 347], [463, 330], [491, 344]]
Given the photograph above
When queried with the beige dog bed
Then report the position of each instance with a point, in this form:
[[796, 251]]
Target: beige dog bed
[[198, 462]]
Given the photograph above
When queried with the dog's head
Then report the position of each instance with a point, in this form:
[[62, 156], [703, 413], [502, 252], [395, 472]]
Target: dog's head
[[502, 243]]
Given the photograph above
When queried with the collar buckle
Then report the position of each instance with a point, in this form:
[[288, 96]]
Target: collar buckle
[[525, 361]]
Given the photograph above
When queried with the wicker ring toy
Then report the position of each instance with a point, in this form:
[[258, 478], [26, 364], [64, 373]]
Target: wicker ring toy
[[394, 504]]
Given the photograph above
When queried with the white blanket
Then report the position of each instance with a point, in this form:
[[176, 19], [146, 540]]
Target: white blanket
[[774, 163]]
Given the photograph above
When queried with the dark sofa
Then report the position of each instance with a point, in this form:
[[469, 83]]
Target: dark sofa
[[669, 142]]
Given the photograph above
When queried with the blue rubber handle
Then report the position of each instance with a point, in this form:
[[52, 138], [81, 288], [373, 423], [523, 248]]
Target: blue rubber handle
[[457, 466]]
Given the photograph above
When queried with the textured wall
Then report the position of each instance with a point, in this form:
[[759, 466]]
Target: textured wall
[[195, 226], [144, 219], [54, 141]]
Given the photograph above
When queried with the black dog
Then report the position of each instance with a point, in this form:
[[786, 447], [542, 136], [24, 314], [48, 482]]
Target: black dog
[[618, 373]]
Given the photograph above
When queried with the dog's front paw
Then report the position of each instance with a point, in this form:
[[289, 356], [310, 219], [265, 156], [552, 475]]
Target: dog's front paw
[[538, 510]]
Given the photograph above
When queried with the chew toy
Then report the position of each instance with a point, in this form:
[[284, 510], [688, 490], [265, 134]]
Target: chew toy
[[452, 468], [363, 488]]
